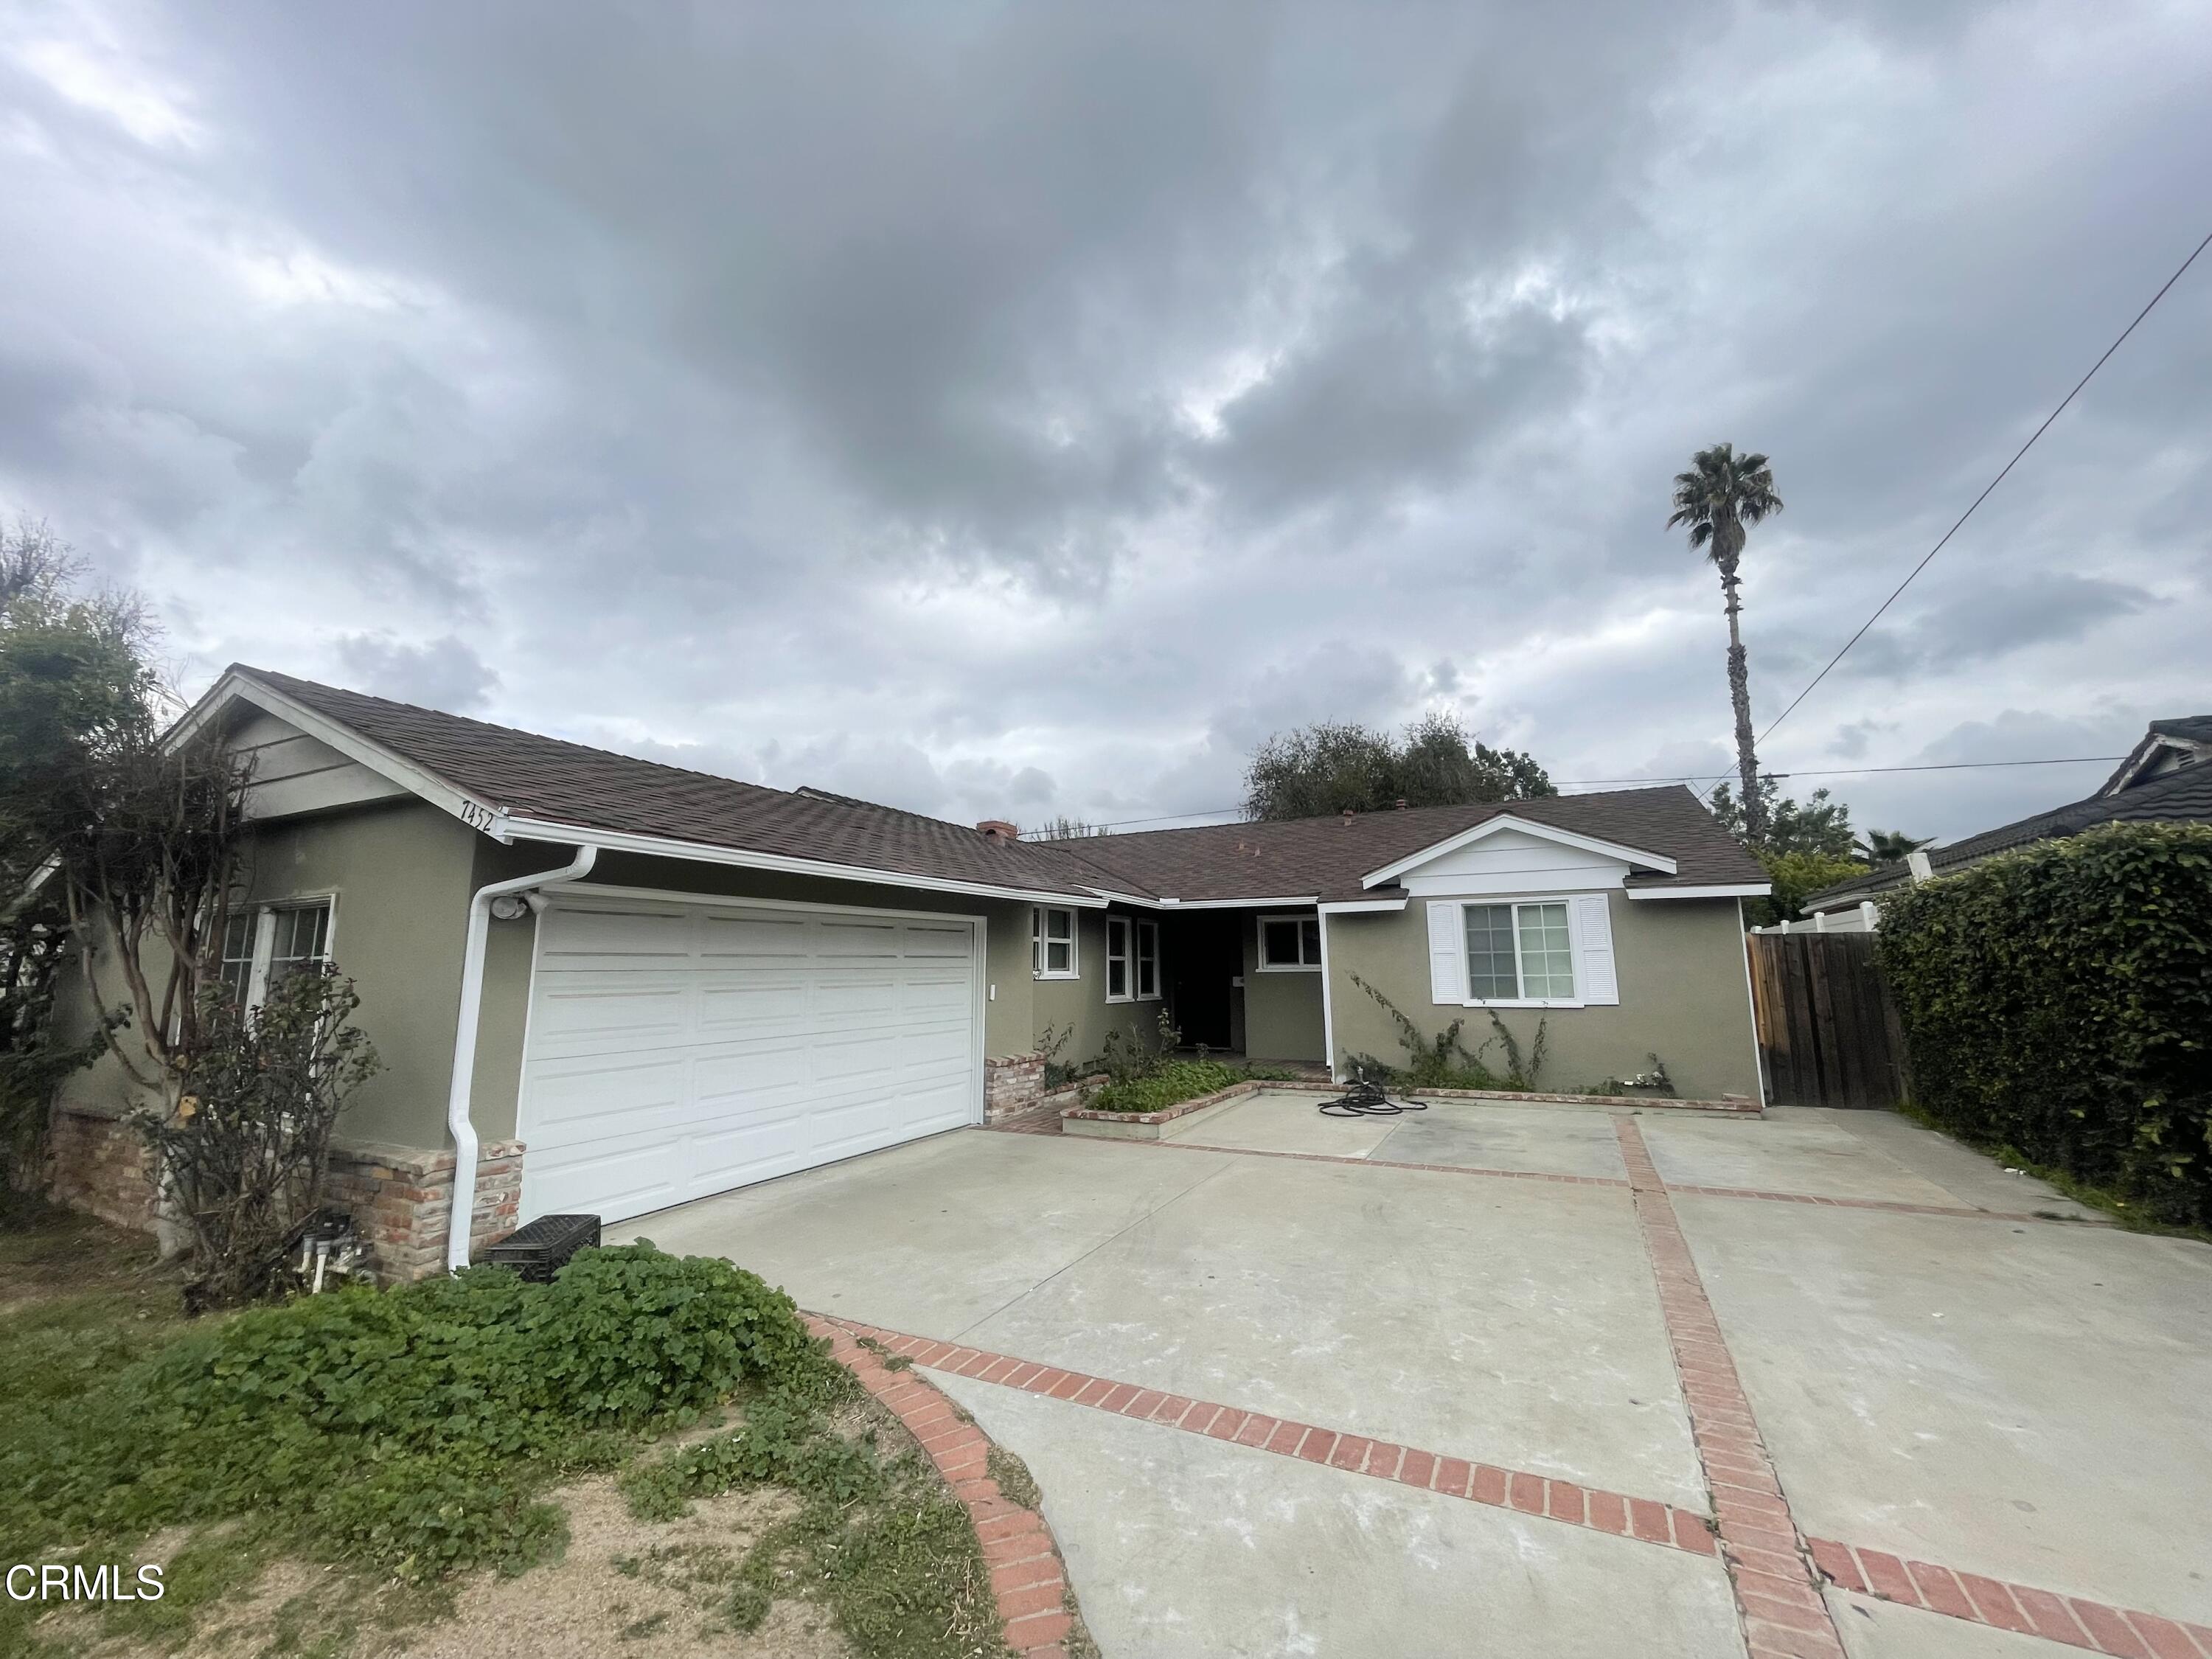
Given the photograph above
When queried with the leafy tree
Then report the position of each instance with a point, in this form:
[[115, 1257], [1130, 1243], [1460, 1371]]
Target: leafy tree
[[60, 654], [1819, 825], [1718, 498], [132, 841], [1797, 876], [1338, 767], [1880, 846]]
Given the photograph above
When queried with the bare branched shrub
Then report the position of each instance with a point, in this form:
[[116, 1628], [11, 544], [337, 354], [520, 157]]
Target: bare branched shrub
[[243, 1155]]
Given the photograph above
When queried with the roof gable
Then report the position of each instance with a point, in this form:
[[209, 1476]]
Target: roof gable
[[1598, 852]]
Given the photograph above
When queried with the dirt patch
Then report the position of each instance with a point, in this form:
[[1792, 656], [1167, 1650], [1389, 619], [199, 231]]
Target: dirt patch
[[625, 1584], [47, 1251]]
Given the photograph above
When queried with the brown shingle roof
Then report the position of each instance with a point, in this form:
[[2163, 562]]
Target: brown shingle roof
[[2183, 797], [526, 775], [1328, 857], [532, 776]]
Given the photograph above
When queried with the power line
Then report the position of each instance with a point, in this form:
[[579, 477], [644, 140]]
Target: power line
[[1700, 777], [1993, 483]]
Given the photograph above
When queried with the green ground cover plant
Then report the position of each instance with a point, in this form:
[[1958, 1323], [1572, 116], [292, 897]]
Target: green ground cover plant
[[411, 1435], [2057, 1003]]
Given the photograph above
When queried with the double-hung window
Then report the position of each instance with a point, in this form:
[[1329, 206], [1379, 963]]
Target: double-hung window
[[1132, 960], [1290, 944], [1052, 941], [264, 945], [1520, 952]]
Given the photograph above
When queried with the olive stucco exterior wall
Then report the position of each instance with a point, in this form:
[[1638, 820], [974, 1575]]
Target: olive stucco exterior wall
[[1282, 1006], [1684, 996], [1079, 1006], [398, 877]]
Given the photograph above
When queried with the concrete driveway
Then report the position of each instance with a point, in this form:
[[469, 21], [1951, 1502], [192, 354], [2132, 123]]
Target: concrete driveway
[[1543, 1381]]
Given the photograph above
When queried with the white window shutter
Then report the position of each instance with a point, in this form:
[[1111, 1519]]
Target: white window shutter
[[1447, 956], [1594, 939]]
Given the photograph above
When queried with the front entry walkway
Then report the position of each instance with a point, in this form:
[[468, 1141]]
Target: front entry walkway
[[1544, 1380]]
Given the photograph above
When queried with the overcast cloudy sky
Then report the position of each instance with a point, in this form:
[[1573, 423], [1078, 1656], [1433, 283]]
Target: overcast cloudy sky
[[1026, 409]]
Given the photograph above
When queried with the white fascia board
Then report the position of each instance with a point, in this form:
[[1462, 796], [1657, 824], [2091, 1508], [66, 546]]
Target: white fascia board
[[1611, 849], [1114, 897], [238, 688], [1362, 906], [1738, 890], [1235, 904], [692, 852]]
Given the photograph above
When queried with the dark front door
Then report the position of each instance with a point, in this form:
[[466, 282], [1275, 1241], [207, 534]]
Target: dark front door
[[1205, 955]]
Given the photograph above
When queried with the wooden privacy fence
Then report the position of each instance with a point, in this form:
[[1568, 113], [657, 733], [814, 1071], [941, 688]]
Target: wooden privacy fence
[[1828, 1034]]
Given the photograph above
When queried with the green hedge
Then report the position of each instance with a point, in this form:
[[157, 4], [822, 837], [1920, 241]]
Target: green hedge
[[2059, 1000]]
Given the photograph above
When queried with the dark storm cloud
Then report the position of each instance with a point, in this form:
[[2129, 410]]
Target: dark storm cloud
[[1014, 409]]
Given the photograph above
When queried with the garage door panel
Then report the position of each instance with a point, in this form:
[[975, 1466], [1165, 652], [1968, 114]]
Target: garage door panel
[[679, 1052], [843, 938], [730, 1005], [624, 935], [754, 936], [623, 1180], [578, 1016], [922, 940]]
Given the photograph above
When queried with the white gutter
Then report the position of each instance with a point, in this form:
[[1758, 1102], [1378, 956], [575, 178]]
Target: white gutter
[[507, 829], [457, 1123]]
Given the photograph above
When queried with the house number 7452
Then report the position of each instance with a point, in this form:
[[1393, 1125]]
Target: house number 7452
[[476, 816]]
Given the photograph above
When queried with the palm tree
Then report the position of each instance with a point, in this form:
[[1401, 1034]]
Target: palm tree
[[1722, 493], [1880, 846]]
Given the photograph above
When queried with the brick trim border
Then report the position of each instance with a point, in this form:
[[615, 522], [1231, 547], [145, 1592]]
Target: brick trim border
[[1777, 1589], [2096, 1626], [1273, 1085], [1643, 1519], [1028, 1577]]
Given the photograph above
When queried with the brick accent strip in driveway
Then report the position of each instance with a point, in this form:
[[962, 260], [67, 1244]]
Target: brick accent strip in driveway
[[2095, 1626], [1643, 1519], [1026, 1573], [1777, 1589]]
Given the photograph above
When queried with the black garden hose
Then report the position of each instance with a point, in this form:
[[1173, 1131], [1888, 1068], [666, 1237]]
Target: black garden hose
[[1365, 1099]]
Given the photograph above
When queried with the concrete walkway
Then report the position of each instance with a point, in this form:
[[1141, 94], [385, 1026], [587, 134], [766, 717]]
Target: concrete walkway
[[1544, 1380]]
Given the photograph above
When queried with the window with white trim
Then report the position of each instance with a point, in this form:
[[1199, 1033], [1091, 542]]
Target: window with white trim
[[1132, 960], [1519, 952], [1290, 944], [262, 945], [1052, 942]]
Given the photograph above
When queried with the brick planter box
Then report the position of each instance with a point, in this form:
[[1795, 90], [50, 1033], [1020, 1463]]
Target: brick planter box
[[1148, 1125]]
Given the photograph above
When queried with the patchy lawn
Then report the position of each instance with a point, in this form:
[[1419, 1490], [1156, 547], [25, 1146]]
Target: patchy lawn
[[650, 1457]]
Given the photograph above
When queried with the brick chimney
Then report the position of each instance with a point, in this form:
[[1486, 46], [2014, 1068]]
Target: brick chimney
[[999, 830]]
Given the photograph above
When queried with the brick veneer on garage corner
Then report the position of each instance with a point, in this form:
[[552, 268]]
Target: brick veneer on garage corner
[[1026, 1572], [398, 1196], [1011, 1084]]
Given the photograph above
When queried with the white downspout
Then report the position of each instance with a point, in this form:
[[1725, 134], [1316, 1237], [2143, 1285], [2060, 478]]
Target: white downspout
[[457, 1123]]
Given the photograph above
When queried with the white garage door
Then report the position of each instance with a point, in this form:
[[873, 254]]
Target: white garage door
[[679, 1049]]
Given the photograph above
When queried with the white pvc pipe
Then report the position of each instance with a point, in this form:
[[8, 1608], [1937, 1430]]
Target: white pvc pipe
[[457, 1122]]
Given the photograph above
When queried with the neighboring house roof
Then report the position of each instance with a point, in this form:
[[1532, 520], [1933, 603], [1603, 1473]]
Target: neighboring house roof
[[517, 784], [529, 776], [2178, 797], [1328, 857]]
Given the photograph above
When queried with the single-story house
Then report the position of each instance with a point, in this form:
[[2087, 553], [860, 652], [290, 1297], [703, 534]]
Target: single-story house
[[602, 984], [2166, 779]]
